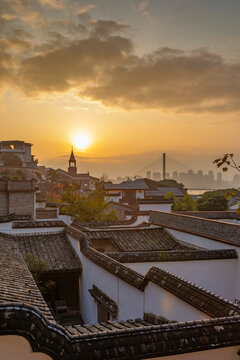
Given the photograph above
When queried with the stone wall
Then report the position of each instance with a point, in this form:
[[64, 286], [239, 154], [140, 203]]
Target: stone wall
[[226, 232], [17, 197], [46, 214]]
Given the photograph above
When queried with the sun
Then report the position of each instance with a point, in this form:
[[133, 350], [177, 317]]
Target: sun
[[81, 141]]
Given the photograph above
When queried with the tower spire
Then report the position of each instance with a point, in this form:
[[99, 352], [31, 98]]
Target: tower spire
[[72, 169]]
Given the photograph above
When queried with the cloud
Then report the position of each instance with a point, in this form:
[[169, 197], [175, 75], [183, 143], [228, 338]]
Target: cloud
[[85, 9], [143, 7], [56, 4], [71, 66], [170, 80], [105, 28], [97, 61]]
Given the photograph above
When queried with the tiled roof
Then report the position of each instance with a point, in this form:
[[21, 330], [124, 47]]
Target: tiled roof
[[103, 224], [16, 282], [37, 224], [55, 248], [200, 298], [213, 229], [154, 201], [174, 255], [139, 239], [161, 191], [111, 265], [134, 342], [106, 327], [103, 299], [13, 216]]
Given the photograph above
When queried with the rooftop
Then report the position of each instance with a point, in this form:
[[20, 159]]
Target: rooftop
[[55, 248], [16, 282], [139, 239]]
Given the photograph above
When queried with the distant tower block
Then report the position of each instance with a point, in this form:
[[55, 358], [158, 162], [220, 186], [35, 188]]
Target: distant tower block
[[164, 166], [149, 174], [72, 169]]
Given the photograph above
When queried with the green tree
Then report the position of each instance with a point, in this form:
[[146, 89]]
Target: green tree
[[87, 209], [212, 201], [187, 204], [169, 195], [10, 159], [37, 268], [174, 183]]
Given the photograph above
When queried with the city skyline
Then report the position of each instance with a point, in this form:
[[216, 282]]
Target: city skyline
[[140, 78]]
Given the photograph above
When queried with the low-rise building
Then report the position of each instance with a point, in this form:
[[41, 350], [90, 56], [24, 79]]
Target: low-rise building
[[85, 181]]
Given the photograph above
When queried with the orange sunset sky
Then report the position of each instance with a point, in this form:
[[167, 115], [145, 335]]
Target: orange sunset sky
[[138, 77]]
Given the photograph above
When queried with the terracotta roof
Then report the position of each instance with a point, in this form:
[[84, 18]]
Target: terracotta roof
[[37, 224], [16, 282], [173, 255], [128, 343], [139, 239], [55, 248], [103, 299]]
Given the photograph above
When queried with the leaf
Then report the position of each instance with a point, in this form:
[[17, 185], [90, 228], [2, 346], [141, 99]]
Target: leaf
[[225, 169]]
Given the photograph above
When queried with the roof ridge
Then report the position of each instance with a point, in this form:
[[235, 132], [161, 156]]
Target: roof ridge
[[191, 284]]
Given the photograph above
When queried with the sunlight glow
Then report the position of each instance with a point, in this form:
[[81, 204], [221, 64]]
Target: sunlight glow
[[81, 141]]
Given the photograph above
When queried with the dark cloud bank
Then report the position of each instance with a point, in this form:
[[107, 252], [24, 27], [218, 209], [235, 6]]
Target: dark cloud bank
[[97, 59]]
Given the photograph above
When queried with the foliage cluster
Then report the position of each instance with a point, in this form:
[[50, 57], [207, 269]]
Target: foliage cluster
[[209, 201], [174, 183], [87, 208], [37, 268]]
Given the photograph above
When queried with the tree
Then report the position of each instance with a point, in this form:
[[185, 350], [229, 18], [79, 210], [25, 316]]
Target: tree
[[187, 204], [10, 159], [174, 183], [52, 175], [212, 201], [37, 268], [226, 162], [87, 209], [169, 195]]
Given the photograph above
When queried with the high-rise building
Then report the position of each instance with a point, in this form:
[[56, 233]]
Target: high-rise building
[[149, 174]]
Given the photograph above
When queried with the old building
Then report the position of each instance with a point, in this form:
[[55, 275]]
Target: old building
[[85, 181], [164, 290], [21, 149], [18, 197]]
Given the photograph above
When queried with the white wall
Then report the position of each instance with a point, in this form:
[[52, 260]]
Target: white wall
[[160, 207], [161, 302], [66, 219], [140, 194], [227, 353], [14, 347], [131, 302], [211, 245], [218, 276]]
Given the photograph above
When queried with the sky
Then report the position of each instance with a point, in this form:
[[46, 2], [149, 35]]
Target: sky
[[138, 77]]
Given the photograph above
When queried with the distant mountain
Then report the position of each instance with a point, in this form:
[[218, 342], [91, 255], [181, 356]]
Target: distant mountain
[[157, 165]]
